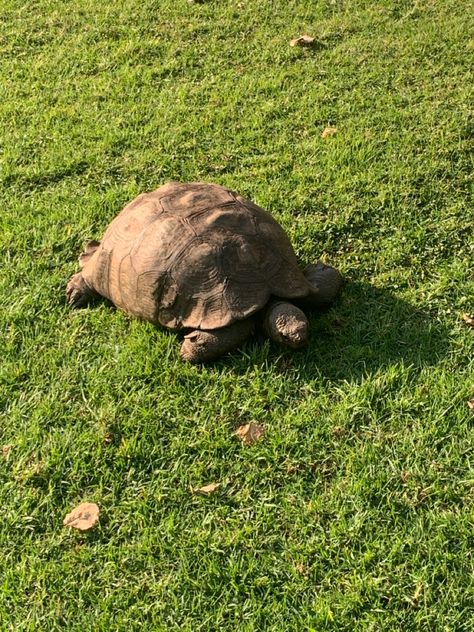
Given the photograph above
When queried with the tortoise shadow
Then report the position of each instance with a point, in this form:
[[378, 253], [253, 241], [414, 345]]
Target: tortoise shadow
[[367, 329]]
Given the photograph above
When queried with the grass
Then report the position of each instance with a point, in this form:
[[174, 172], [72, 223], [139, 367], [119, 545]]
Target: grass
[[355, 512]]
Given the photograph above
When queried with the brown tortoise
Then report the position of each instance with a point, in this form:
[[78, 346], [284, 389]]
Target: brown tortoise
[[200, 258]]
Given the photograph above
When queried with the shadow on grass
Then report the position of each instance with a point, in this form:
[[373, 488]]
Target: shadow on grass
[[368, 329], [42, 180]]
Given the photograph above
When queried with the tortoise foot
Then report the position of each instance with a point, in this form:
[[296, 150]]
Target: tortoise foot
[[78, 293], [202, 346]]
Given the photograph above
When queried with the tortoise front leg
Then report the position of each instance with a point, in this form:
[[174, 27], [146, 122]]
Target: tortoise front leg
[[327, 282], [202, 346], [286, 324]]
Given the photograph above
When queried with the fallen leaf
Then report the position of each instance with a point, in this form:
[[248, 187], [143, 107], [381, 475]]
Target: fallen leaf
[[6, 449], [206, 489], [469, 320], [303, 40], [83, 517], [470, 403], [250, 433], [328, 131]]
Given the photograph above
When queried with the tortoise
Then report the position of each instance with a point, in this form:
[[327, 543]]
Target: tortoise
[[202, 259]]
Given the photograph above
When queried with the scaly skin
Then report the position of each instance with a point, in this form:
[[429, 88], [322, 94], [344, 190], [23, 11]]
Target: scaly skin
[[202, 346], [78, 293], [286, 324]]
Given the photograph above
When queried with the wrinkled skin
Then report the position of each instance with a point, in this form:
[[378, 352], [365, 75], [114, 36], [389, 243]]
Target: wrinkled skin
[[203, 346], [286, 324]]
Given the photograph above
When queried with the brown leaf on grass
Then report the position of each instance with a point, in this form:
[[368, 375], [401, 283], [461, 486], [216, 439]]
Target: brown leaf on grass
[[6, 449], [470, 403], [250, 433], [302, 40], [83, 517], [469, 320], [328, 131], [206, 489]]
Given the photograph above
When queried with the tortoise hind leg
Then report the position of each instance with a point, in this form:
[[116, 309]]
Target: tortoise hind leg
[[201, 346], [78, 293]]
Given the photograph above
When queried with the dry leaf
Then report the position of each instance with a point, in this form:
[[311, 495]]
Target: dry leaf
[[83, 517], [249, 433], [207, 489], [469, 320], [6, 449], [470, 403], [303, 40], [328, 131]]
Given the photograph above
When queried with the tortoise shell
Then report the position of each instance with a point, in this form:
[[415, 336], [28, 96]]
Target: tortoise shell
[[194, 255]]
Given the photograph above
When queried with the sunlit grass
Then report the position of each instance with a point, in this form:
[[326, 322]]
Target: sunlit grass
[[355, 511]]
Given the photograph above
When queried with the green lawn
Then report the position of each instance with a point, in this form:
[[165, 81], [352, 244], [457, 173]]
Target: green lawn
[[356, 510]]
